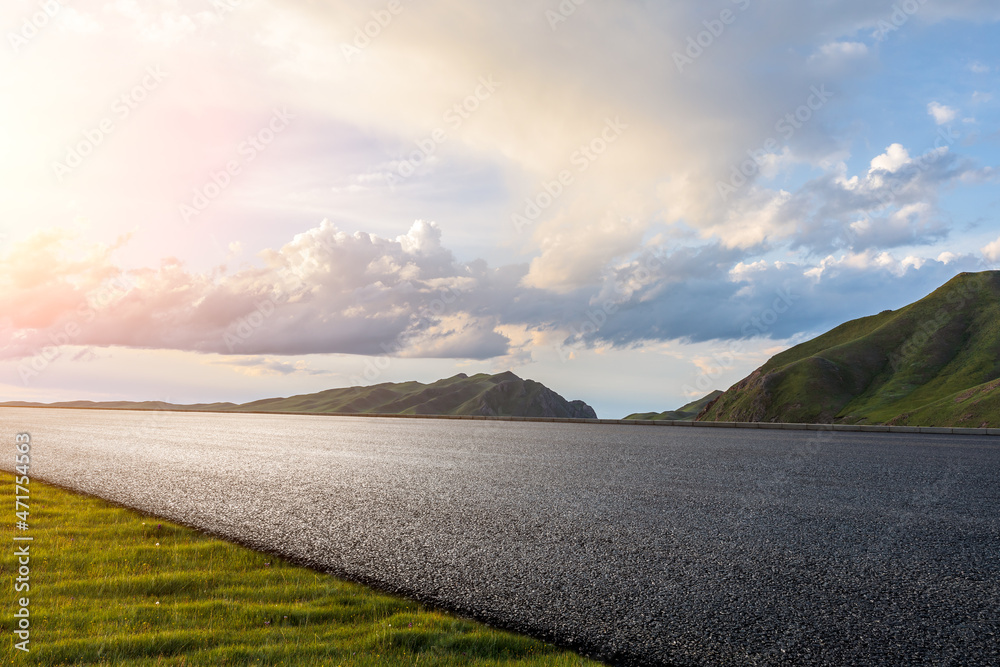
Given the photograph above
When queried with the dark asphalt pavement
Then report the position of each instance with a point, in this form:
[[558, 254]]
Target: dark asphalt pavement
[[635, 545]]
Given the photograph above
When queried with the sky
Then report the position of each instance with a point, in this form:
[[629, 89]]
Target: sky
[[632, 202]]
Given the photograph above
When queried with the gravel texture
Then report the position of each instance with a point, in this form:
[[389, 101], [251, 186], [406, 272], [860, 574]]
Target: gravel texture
[[635, 545]]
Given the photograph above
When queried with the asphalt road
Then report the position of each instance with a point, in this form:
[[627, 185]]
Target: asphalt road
[[635, 545]]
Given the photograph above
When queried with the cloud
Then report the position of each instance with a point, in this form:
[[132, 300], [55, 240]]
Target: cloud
[[264, 366], [992, 251], [652, 191], [776, 300], [325, 291], [894, 203], [46, 276], [942, 115], [895, 156], [841, 51], [686, 129]]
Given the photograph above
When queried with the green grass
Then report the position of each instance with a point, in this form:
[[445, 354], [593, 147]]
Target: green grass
[[111, 586], [914, 366]]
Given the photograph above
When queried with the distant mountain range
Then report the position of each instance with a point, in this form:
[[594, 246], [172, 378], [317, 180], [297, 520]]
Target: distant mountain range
[[686, 413], [504, 394], [935, 362]]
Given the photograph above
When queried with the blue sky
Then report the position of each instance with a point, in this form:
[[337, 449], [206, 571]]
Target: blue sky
[[477, 189]]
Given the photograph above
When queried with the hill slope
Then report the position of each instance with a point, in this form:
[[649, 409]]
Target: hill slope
[[935, 362], [493, 395], [685, 413]]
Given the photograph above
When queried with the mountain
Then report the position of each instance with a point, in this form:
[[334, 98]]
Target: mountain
[[685, 413], [493, 395], [935, 362]]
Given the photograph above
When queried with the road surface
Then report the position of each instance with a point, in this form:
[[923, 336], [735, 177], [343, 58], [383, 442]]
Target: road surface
[[635, 545]]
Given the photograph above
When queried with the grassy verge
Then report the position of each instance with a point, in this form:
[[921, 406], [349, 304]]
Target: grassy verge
[[111, 586]]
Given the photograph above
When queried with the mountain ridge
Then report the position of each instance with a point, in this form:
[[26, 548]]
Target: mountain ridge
[[503, 394], [935, 362]]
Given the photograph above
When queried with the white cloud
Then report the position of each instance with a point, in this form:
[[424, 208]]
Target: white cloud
[[869, 261], [894, 204], [326, 291], [992, 251], [267, 366], [840, 51], [895, 156], [942, 114], [757, 220]]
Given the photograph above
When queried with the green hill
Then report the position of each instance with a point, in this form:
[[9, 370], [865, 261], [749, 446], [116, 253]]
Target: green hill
[[686, 413], [493, 395], [935, 362]]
